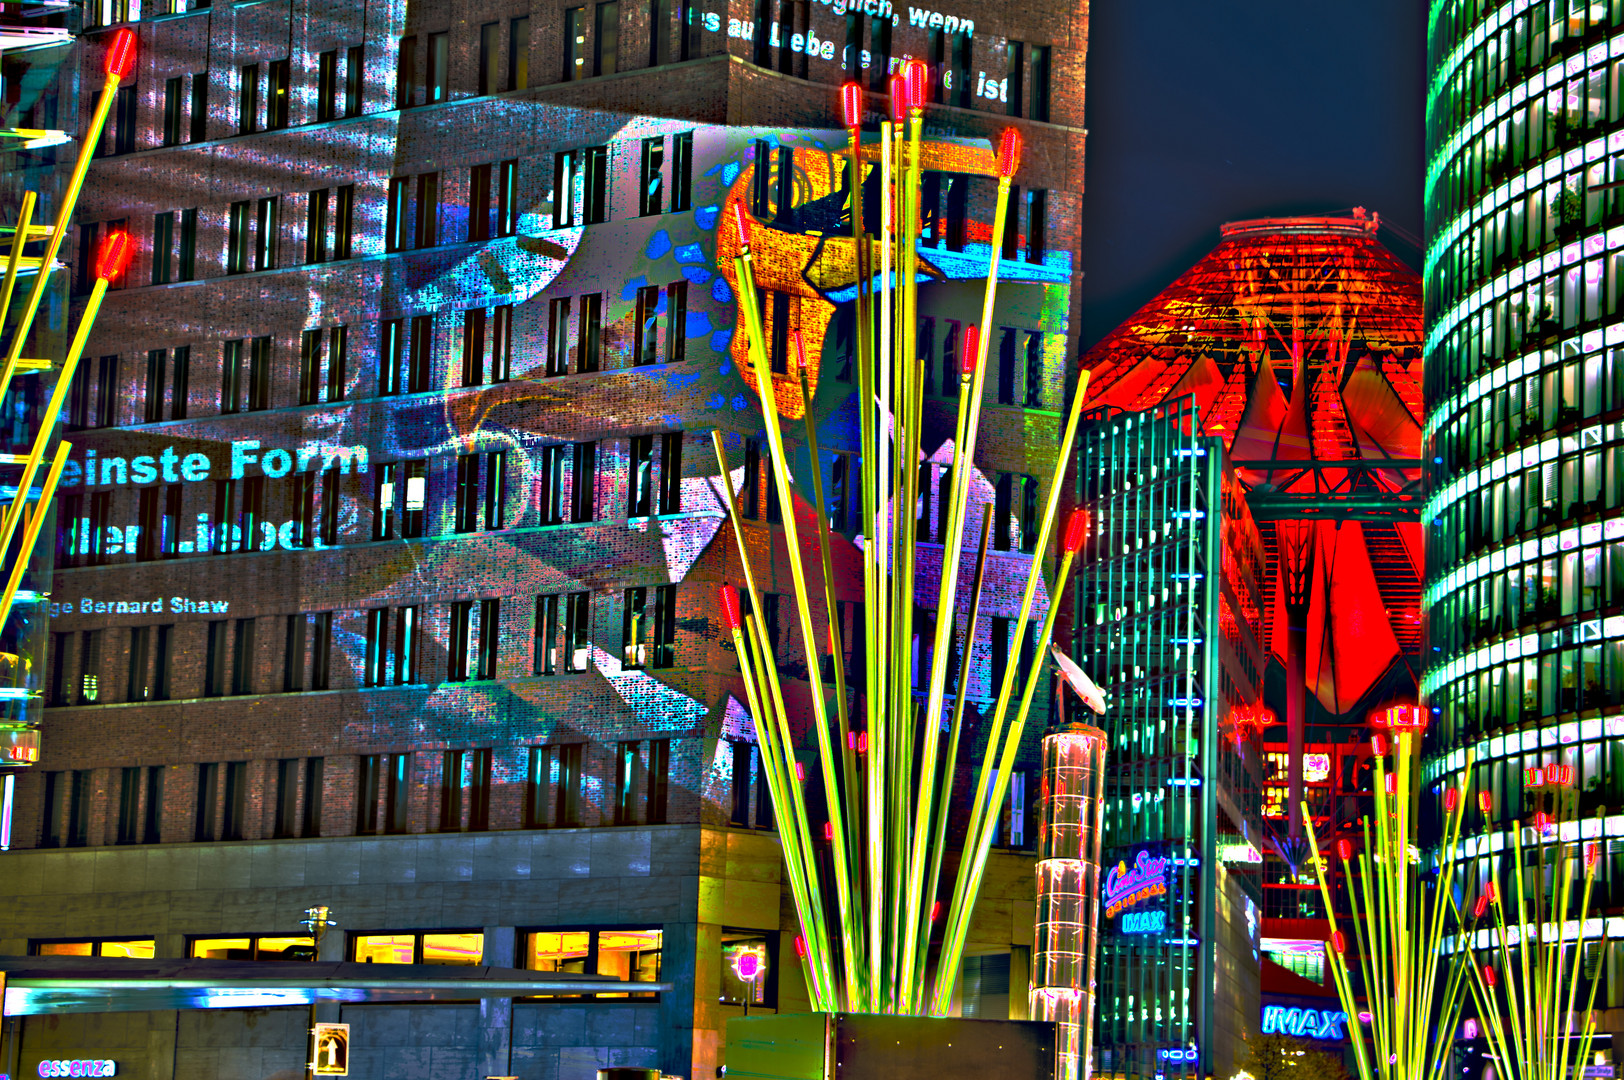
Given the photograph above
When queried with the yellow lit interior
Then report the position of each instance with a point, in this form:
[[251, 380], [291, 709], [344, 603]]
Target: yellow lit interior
[[222, 948], [386, 948], [461, 949]]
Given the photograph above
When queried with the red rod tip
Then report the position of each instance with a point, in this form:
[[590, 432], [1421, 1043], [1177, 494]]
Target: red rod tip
[[1451, 799], [1009, 153], [917, 75], [1344, 848], [800, 348], [1339, 941], [1491, 976], [899, 98], [1379, 744], [1076, 531], [971, 355], [1485, 801], [120, 59], [114, 255], [730, 608], [851, 104], [741, 224]]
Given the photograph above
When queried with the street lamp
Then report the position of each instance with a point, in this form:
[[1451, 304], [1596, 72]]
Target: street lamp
[[316, 920]]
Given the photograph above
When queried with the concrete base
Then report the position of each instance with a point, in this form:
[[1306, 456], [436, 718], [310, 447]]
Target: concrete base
[[857, 1046]]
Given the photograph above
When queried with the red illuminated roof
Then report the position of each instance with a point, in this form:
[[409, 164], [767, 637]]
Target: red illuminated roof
[[1300, 339]]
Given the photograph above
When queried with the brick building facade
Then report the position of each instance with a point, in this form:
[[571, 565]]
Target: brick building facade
[[393, 517]]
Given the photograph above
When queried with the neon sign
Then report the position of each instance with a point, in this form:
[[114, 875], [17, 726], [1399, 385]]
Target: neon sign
[[77, 1068], [1178, 1054], [1307, 1023], [1144, 922], [1548, 776], [1127, 886]]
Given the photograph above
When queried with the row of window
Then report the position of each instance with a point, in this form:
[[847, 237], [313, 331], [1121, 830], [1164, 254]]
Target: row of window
[[1527, 502], [238, 662], [1517, 227], [1547, 111], [264, 93], [578, 341], [296, 795], [627, 954]]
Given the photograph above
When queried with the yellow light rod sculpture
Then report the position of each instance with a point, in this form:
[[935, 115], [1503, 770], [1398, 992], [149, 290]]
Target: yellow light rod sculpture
[[1414, 941], [867, 924], [111, 261]]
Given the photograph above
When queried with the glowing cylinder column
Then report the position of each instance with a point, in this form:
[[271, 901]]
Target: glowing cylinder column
[[1071, 807]]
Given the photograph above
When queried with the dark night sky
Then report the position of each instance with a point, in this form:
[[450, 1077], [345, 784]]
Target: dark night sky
[[1201, 112]]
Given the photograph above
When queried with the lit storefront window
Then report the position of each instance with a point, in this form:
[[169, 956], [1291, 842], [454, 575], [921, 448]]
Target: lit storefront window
[[131, 948]]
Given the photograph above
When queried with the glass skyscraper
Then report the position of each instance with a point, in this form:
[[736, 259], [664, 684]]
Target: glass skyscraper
[[1167, 615], [1523, 663]]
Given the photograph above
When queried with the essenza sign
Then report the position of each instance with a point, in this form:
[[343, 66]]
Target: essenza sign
[[78, 1068]]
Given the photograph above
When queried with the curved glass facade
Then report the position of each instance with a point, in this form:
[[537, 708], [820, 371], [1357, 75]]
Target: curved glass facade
[[1523, 661]]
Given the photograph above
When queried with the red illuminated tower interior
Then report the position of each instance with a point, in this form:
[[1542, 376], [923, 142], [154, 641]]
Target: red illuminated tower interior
[[1300, 342]]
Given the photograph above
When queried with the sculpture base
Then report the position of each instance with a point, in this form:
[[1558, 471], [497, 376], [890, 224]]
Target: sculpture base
[[862, 1046]]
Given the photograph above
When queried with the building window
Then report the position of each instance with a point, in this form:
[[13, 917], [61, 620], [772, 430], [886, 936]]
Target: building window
[[1033, 397], [682, 172], [1006, 365], [622, 954], [94, 391], [124, 120], [749, 776], [651, 185], [577, 625], [237, 237], [427, 223], [606, 38], [248, 99], [553, 786], [1015, 66], [1037, 219], [595, 185], [344, 222], [391, 657], [489, 57], [406, 73], [457, 949], [276, 102], [130, 948], [253, 948], [383, 788], [564, 176], [163, 246], [321, 369], [480, 475], [641, 782], [315, 770], [174, 104], [574, 43], [354, 72], [316, 214], [327, 85], [648, 632], [518, 53], [398, 215], [439, 87], [465, 783], [590, 330], [199, 118], [1041, 62]]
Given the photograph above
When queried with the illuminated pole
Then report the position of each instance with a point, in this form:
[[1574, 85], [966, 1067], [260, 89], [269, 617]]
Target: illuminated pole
[[1071, 809], [316, 920]]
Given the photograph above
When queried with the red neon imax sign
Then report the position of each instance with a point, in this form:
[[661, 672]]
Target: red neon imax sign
[[1548, 776], [1400, 718]]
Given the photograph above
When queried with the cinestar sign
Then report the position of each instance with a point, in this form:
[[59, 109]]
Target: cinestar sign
[[1304, 1023]]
